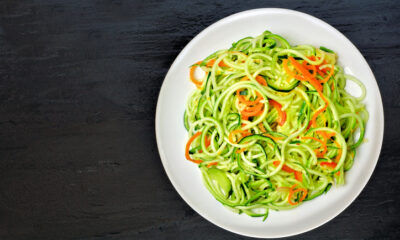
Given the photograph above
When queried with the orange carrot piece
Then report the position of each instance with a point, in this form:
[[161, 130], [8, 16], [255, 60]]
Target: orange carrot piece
[[306, 74], [212, 61], [207, 141], [289, 72], [329, 75], [262, 128], [339, 155], [255, 111], [261, 80], [212, 164], [328, 164], [191, 139], [244, 133], [297, 174], [243, 100], [293, 192], [272, 137], [278, 107], [192, 78], [323, 147]]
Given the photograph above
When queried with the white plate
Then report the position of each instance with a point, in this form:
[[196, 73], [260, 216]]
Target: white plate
[[297, 28]]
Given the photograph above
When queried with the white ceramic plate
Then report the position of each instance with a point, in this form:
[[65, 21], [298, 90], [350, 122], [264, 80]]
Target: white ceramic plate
[[297, 28]]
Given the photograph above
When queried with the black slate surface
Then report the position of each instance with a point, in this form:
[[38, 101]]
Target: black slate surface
[[79, 81]]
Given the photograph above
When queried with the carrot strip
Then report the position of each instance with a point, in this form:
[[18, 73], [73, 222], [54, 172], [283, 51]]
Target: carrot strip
[[261, 80], [207, 141], [329, 75], [325, 134], [256, 112], [244, 133], [293, 192], [278, 107], [255, 108], [240, 150], [306, 74], [297, 174], [192, 78], [339, 155], [243, 100], [313, 68], [323, 147], [328, 164], [272, 137], [314, 117], [212, 164], [289, 72], [262, 128], [212, 61], [191, 139]]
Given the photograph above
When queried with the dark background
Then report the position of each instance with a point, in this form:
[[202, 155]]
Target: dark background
[[79, 82]]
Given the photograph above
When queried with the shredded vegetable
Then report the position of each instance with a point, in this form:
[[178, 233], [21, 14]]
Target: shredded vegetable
[[271, 125]]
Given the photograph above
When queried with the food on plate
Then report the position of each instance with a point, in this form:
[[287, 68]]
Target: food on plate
[[271, 125]]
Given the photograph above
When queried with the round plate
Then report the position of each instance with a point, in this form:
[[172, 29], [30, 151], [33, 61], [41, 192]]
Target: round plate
[[297, 28]]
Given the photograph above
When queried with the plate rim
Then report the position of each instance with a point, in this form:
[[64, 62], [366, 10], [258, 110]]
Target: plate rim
[[181, 193]]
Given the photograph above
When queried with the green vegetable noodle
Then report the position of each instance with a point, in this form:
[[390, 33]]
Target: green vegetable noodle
[[271, 125]]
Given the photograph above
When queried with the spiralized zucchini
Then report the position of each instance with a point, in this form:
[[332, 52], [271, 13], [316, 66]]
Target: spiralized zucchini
[[271, 125]]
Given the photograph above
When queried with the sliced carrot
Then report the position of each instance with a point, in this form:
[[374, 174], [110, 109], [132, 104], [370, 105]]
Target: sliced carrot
[[323, 148], [293, 192], [272, 137], [262, 128], [191, 139], [243, 100], [289, 72], [212, 61], [314, 117], [313, 68], [241, 150], [261, 80], [212, 164], [278, 107], [326, 134], [297, 174], [339, 155], [328, 164], [321, 72], [329, 75], [245, 78], [256, 111], [243, 134], [207, 141], [192, 77], [306, 74], [255, 108]]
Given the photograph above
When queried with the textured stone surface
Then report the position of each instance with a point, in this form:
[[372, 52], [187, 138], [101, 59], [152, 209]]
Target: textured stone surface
[[79, 81]]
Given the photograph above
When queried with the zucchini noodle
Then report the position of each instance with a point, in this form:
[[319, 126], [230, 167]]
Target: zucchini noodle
[[271, 125]]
